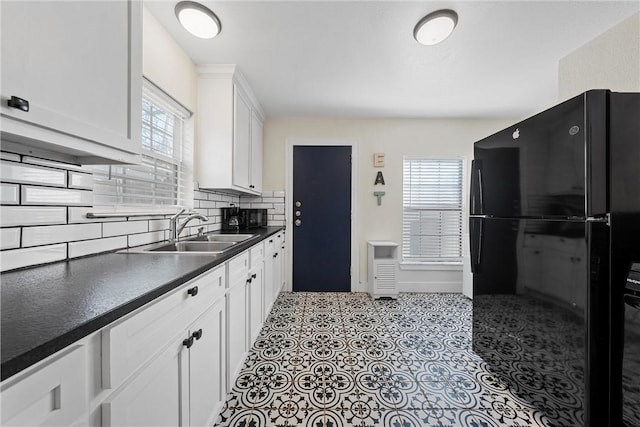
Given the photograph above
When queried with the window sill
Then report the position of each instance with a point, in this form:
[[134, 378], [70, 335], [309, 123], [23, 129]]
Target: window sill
[[450, 266]]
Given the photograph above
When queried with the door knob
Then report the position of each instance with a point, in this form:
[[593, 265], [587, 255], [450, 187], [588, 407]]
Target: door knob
[[298, 203], [298, 213], [298, 223]]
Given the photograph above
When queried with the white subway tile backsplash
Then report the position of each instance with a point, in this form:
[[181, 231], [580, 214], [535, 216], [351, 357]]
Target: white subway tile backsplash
[[9, 238], [79, 215], [52, 163], [278, 208], [9, 156], [44, 207], [44, 235], [55, 196], [17, 258], [124, 227], [11, 216], [88, 247], [27, 174], [145, 238], [279, 194], [80, 180], [158, 224], [9, 194]]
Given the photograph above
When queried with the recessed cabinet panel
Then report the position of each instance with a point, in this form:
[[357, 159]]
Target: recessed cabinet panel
[[78, 64], [206, 367], [256, 152], [54, 395], [242, 140], [156, 397]]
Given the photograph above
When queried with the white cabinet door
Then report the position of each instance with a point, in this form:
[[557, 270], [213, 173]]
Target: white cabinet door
[[79, 66], [53, 395], [241, 139], [207, 366], [256, 296], [256, 152], [158, 396], [269, 285], [229, 149], [236, 329]]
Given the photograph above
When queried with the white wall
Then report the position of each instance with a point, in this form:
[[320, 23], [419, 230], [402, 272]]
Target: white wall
[[166, 64], [395, 138], [610, 61]]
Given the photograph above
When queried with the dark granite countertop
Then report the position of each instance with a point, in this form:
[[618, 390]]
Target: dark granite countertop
[[47, 308]]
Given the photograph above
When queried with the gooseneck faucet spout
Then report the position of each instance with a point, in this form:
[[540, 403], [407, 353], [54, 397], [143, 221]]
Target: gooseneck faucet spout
[[175, 228]]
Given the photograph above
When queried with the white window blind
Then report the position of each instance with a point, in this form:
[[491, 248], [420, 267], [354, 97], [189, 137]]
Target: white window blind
[[165, 176], [432, 209]]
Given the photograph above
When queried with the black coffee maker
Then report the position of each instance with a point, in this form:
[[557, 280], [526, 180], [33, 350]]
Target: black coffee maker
[[231, 218]]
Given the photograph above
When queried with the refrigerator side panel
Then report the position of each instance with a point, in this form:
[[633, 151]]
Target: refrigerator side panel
[[624, 198]]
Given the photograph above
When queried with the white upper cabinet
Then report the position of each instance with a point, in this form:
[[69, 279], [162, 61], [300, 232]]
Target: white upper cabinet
[[78, 64], [229, 132]]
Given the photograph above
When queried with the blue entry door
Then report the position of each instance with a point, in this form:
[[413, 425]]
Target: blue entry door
[[321, 218]]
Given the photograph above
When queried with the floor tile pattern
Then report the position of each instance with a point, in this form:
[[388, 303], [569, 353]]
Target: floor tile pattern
[[343, 359]]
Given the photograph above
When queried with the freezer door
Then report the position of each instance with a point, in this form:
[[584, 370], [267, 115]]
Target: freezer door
[[536, 168]]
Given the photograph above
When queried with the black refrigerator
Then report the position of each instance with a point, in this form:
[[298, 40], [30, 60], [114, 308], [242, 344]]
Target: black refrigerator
[[554, 227]]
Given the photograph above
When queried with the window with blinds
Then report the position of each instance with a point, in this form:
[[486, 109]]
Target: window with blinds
[[432, 209], [165, 176]]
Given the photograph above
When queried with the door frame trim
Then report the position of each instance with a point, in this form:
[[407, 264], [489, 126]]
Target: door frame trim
[[355, 245]]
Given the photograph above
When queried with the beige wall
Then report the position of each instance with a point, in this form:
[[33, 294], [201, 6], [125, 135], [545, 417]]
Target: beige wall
[[395, 138], [610, 61], [166, 64]]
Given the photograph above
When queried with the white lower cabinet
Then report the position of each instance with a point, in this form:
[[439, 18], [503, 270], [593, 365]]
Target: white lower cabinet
[[206, 367], [154, 397], [182, 386], [169, 363], [54, 394], [255, 286], [238, 271]]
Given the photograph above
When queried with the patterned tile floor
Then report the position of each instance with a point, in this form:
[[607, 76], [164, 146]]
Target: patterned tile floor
[[340, 359]]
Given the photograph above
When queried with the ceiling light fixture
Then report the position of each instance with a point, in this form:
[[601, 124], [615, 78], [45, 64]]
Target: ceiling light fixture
[[435, 27], [198, 19]]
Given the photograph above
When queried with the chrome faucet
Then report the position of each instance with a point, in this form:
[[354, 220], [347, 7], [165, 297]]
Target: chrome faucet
[[176, 228]]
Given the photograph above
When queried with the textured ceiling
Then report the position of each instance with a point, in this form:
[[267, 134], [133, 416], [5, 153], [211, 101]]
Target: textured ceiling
[[359, 58]]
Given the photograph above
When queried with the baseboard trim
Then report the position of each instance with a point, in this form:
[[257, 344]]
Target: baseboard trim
[[431, 286]]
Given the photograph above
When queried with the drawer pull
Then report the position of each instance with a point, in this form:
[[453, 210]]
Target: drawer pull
[[197, 334], [193, 291], [249, 280], [188, 342], [254, 275], [275, 255]]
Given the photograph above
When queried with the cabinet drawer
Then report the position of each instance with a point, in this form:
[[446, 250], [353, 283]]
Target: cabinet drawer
[[53, 395], [257, 254], [238, 268], [130, 343]]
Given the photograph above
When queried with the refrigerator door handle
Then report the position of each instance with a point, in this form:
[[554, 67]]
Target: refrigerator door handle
[[477, 205], [475, 244]]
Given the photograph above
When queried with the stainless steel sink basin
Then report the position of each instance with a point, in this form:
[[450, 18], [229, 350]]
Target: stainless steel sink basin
[[194, 246], [236, 238], [211, 244]]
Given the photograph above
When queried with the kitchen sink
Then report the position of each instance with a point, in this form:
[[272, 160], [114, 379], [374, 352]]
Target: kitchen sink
[[235, 238], [212, 244], [194, 246]]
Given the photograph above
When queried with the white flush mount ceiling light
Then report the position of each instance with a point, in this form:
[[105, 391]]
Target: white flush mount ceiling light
[[435, 27], [198, 19]]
